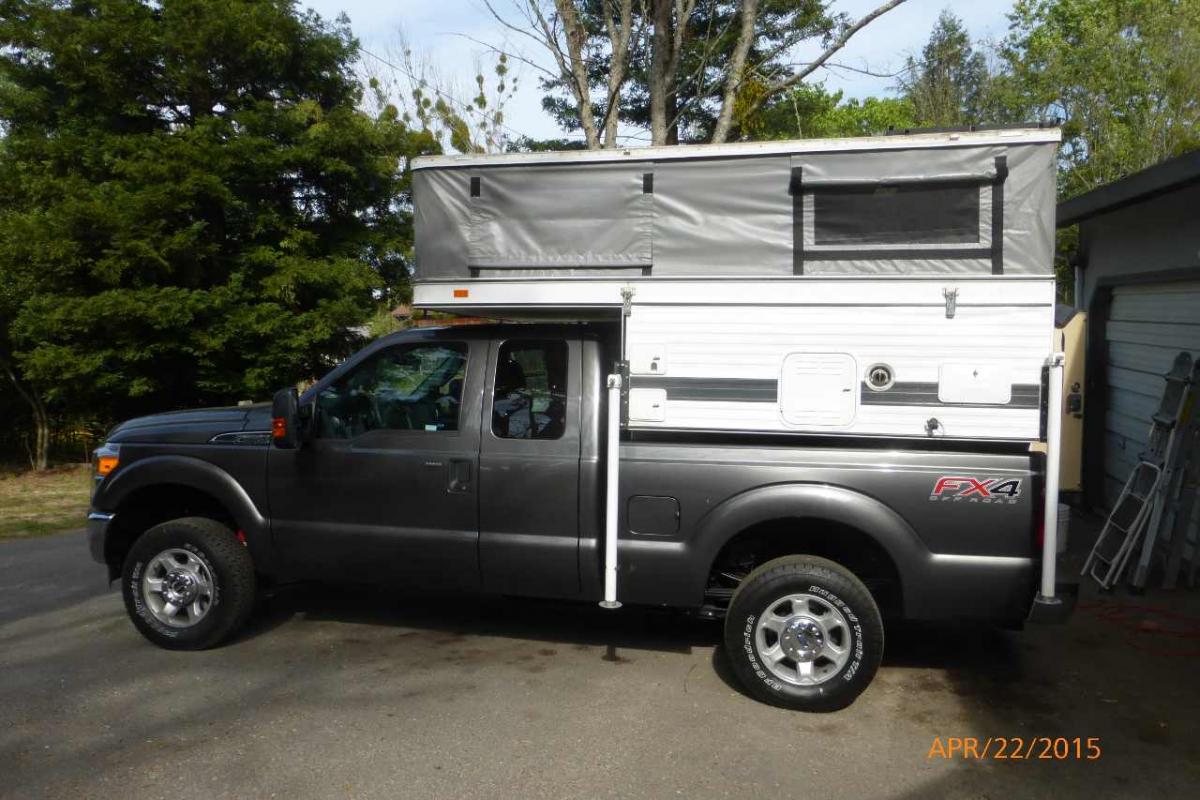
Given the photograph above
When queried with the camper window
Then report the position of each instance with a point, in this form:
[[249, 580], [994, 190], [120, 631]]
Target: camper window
[[919, 213]]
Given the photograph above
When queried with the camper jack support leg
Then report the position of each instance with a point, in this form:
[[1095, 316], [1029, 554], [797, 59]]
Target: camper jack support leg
[[1049, 605], [612, 492]]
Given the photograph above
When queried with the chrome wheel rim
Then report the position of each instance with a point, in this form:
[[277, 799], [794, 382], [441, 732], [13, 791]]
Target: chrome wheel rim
[[803, 639], [178, 588]]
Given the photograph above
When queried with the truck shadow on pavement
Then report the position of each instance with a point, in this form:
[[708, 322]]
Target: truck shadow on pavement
[[982, 660]]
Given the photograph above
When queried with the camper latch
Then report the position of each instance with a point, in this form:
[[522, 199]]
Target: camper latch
[[627, 300], [951, 296]]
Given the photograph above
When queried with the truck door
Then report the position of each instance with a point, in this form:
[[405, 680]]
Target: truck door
[[529, 468], [387, 487]]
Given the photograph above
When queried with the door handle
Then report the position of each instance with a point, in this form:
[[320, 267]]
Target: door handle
[[459, 476]]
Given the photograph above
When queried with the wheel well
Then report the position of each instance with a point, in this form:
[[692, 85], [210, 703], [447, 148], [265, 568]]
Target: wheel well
[[148, 506], [854, 549]]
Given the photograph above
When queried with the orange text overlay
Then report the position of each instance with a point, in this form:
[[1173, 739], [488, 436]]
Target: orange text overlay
[[1015, 748]]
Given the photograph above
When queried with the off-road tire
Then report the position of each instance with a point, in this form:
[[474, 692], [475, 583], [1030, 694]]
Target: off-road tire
[[226, 558], [762, 589]]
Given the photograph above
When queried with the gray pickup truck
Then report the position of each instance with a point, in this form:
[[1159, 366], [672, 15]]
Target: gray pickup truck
[[471, 459]]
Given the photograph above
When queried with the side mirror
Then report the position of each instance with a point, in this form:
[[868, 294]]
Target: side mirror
[[285, 419]]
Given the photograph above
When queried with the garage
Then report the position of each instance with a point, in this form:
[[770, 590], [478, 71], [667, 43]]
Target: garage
[[1148, 325], [1138, 278]]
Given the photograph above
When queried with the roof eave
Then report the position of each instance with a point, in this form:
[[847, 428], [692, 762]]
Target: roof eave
[[1162, 178]]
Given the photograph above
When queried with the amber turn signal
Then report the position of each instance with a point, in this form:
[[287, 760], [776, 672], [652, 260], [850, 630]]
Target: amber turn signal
[[106, 464]]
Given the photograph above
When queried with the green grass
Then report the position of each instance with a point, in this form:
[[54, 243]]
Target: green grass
[[40, 503]]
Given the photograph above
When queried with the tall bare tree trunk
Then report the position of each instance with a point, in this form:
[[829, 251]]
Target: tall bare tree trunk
[[737, 70], [40, 457], [575, 67], [620, 36], [660, 79]]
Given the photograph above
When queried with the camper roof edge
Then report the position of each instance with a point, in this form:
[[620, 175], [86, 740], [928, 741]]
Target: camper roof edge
[[1015, 136], [542, 295]]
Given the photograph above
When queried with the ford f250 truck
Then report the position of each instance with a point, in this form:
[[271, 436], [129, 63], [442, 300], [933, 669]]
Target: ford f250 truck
[[471, 459]]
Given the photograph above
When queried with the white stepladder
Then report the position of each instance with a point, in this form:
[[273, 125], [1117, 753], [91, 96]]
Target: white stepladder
[[1141, 498]]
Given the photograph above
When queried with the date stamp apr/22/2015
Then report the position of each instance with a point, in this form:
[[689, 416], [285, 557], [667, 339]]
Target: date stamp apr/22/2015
[[1015, 748]]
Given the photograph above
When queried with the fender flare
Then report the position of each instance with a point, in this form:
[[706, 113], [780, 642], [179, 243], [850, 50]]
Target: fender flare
[[815, 501], [193, 473]]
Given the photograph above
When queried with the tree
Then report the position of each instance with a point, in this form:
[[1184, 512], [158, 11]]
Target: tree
[[688, 70], [949, 83], [466, 122], [195, 208], [809, 111], [1121, 74]]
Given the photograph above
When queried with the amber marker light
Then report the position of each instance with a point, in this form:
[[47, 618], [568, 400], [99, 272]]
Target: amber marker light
[[462, 292], [106, 464]]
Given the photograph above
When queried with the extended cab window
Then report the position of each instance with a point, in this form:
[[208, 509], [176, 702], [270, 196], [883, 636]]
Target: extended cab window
[[414, 387], [530, 400]]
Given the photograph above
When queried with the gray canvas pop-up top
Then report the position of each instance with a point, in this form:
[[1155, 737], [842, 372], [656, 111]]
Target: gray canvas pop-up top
[[969, 203]]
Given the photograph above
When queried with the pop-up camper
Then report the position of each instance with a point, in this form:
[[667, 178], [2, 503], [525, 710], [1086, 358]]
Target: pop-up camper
[[899, 286]]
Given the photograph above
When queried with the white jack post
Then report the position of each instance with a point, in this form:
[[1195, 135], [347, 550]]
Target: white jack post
[[1047, 599], [612, 498]]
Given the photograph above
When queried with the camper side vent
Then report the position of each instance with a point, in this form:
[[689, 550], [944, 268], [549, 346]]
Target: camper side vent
[[818, 390]]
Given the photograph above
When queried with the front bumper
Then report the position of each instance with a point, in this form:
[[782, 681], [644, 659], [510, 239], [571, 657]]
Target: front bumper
[[98, 525]]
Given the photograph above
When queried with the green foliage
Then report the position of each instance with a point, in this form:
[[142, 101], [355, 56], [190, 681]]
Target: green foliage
[[526, 144], [195, 208], [1123, 75], [949, 84], [471, 125], [809, 111]]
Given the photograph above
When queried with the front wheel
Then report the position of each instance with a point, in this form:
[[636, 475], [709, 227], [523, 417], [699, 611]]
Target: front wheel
[[804, 633], [188, 583]]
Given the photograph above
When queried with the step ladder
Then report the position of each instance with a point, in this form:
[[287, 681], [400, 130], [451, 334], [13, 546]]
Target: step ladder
[[1177, 491], [1140, 499]]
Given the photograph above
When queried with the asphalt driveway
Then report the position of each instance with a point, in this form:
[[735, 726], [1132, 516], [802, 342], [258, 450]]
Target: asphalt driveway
[[355, 693]]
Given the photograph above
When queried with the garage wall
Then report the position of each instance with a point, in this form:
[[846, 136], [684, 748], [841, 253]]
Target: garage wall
[[1150, 236], [1148, 324]]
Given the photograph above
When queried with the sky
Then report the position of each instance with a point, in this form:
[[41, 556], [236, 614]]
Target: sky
[[443, 30]]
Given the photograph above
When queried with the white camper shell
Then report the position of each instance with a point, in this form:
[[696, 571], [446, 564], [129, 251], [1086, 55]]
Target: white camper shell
[[897, 286]]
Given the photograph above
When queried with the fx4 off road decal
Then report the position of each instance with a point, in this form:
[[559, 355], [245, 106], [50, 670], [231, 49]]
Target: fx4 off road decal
[[957, 489]]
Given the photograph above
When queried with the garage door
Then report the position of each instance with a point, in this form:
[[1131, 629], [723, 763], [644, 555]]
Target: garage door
[[1148, 324]]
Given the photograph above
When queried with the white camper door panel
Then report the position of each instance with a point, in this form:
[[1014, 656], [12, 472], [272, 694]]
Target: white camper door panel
[[818, 389], [975, 383], [647, 405], [648, 358]]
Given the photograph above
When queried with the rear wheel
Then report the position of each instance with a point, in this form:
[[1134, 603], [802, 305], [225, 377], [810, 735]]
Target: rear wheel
[[188, 583], [802, 632]]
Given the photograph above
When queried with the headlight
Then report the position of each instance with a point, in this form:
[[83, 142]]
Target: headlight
[[105, 459]]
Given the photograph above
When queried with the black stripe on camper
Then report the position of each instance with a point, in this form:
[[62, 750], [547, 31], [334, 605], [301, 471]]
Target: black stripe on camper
[[998, 215], [796, 190], [916, 393], [737, 390]]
